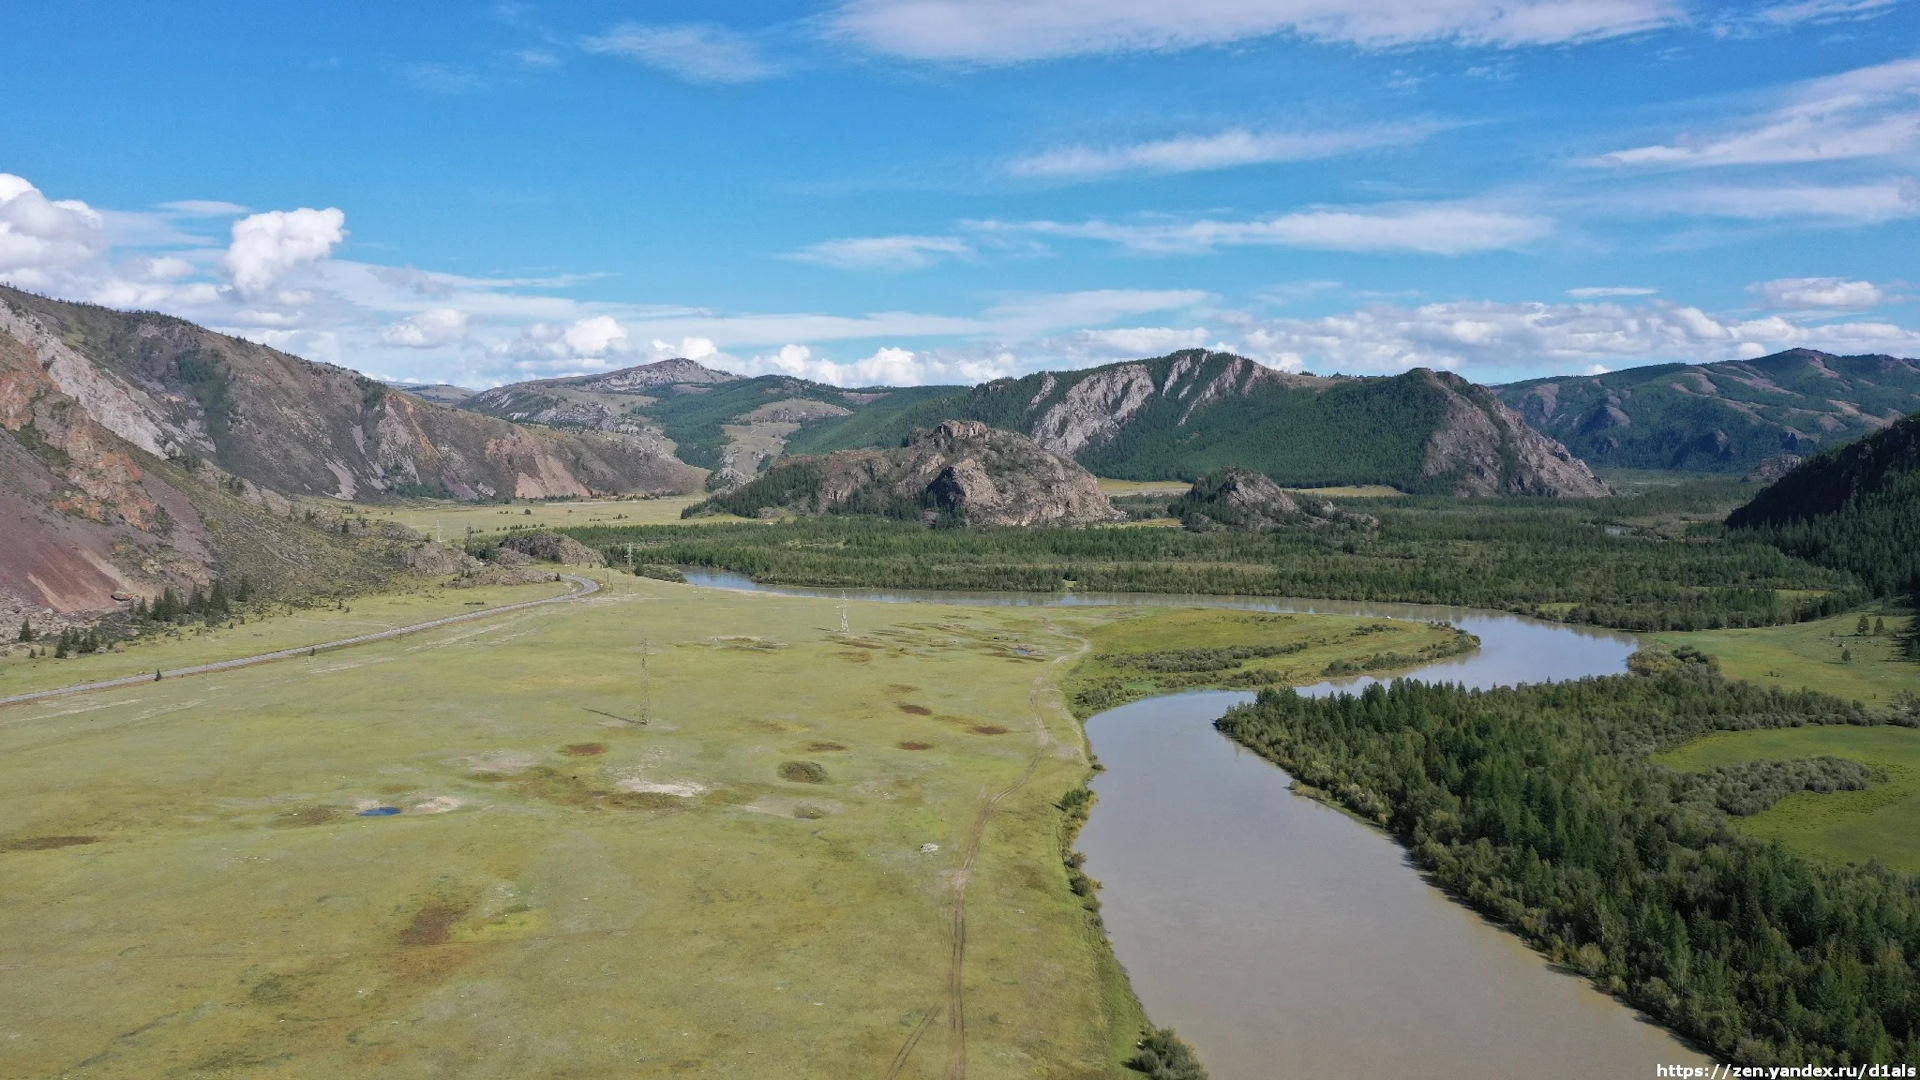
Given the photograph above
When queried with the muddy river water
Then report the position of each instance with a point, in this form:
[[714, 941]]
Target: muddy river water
[[1284, 939]]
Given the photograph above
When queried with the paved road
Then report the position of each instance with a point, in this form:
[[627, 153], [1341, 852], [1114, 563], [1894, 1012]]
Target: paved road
[[587, 587]]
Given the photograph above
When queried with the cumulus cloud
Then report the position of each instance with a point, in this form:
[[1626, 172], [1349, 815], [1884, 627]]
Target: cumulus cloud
[[430, 329], [1491, 336], [695, 52], [1424, 228], [1196, 153], [266, 247], [1820, 292], [1865, 113], [42, 237], [883, 252], [1013, 31]]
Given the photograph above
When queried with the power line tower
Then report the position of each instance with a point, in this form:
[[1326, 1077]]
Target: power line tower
[[646, 684]]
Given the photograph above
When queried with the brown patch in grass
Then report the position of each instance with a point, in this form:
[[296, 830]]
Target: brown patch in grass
[[560, 788], [824, 747], [584, 749], [307, 815], [989, 729], [432, 924], [903, 688], [45, 843], [803, 772], [915, 710], [855, 657], [915, 745]]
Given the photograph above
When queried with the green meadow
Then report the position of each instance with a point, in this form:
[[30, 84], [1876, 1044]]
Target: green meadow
[[1809, 655], [1881, 822], [661, 831]]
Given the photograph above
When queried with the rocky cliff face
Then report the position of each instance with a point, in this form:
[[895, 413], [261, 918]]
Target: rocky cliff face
[[1482, 447], [605, 402], [962, 471], [89, 519], [180, 391], [1243, 499]]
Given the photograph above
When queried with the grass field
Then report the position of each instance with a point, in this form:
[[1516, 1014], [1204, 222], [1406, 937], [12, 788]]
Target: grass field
[[564, 892], [1882, 822], [1808, 655], [1146, 652], [663, 831], [452, 519], [194, 643]]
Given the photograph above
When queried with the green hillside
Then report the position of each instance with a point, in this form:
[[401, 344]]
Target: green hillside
[[1856, 507], [1726, 417], [1181, 416]]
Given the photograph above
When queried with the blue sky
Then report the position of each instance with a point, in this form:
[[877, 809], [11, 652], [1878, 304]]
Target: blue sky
[[908, 191]]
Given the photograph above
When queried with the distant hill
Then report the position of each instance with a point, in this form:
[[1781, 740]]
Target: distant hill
[[184, 392], [1193, 412], [1725, 417], [715, 420], [438, 393], [961, 471], [1856, 507]]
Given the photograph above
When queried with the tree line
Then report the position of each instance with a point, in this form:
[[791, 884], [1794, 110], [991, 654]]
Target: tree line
[[1541, 807]]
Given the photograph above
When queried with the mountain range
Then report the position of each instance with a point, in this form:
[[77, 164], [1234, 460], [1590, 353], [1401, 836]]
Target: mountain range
[[1724, 417]]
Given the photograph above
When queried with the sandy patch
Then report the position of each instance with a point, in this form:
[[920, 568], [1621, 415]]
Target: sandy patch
[[685, 789], [439, 804]]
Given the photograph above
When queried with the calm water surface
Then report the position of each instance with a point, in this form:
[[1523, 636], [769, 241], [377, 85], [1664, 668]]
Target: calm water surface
[[1284, 939]]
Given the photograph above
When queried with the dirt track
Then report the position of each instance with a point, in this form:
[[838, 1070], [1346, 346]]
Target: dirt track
[[587, 588]]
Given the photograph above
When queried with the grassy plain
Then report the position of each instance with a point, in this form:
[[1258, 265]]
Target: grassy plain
[[282, 628], [565, 892], [1881, 822], [1796, 655], [452, 519], [756, 881]]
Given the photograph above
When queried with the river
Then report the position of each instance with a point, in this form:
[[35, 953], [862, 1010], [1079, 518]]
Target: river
[[1282, 938]]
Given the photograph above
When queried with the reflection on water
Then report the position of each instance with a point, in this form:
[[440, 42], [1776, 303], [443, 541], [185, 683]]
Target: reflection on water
[[1284, 939]]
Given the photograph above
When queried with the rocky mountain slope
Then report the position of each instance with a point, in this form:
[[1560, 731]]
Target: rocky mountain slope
[[962, 472], [90, 520], [180, 391], [1243, 499], [1193, 412], [1856, 507], [1726, 417], [716, 420]]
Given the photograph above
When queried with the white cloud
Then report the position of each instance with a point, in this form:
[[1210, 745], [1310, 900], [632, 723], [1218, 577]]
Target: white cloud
[[1013, 31], [1497, 337], [266, 247], [430, 329], [442, 79], [1820, 292], [1196, 153], [1596, 369], [40, 238], [883, 252], [1425, 228], [1865, 113], [694, 52], [1862, 203], [1595, 292], [597, 336], [1797, 12], [204, 208]]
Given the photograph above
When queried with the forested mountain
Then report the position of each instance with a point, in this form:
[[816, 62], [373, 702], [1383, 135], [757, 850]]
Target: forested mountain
[[716, 420], [181, 391], [1190, 413], [1855, 507], [1726, 417]]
